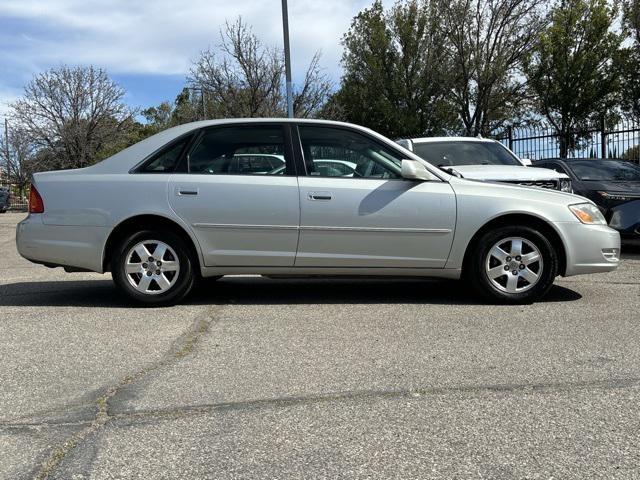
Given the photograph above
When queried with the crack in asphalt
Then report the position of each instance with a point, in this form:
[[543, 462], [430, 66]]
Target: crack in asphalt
[[353, 395], [374, 395], [181, 347]]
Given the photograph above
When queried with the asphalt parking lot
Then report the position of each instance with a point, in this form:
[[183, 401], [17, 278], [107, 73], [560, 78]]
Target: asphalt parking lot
[[259, 378]]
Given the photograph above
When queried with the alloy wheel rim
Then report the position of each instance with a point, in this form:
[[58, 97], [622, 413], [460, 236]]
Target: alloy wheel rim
[[152, 267], [514, 265]]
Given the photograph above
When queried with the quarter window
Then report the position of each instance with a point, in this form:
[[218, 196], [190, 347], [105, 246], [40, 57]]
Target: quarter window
[[243, 150], [337, 152], [167, 160]]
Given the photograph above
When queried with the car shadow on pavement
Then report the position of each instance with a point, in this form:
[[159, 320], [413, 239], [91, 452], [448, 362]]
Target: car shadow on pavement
[[262, 291], [631, 251], [73, 293], [257, 291]]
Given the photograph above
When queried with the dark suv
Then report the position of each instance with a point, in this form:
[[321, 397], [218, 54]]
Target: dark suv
[[613, 185]]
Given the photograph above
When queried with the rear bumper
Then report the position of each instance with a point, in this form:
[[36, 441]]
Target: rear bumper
[[589, 248], [79, 247]]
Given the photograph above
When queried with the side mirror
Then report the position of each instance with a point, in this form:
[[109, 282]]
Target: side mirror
[[526, 162], [414, 170]]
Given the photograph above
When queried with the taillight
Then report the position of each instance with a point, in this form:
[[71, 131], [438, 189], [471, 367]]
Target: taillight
[[36, 205]]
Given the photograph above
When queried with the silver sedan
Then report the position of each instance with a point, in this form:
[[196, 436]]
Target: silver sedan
[[197, 201]]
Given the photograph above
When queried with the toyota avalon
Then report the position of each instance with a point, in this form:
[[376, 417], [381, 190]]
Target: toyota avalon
[[173, 208]]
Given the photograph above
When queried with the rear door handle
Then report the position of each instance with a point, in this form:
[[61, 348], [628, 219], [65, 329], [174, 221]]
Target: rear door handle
[[320, 196], [184, 191]]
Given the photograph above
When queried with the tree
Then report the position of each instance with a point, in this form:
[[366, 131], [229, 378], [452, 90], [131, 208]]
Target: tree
[[631, 19], [73, 112], [486, 42], [632, 153], [572, 70], [395, 76], [159, 117], [190, 105], [246, 79], [630, 58], [18, 156]]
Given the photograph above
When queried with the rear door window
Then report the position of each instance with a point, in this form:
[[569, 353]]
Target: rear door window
[[239, 150]]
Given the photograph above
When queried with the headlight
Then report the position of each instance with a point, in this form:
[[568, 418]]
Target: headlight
[[588, 214], [565, 186]]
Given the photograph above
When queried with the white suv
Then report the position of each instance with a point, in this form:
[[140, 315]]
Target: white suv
[[484, 159]]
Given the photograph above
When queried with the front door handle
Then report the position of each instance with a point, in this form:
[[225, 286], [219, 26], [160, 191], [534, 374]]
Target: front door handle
[[184, 191], [320, 196]]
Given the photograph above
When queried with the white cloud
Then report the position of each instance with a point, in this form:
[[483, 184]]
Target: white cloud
[[163, 36], [7, 96]]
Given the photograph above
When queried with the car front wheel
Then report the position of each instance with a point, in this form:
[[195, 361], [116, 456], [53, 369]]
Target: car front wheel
[[513, 265], [153, 268]]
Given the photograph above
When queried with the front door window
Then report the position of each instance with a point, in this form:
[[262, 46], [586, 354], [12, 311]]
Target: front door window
[[337, 152]]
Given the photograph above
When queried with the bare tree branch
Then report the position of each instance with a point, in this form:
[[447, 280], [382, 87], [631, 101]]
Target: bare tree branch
[[73, 113], [245, 78]]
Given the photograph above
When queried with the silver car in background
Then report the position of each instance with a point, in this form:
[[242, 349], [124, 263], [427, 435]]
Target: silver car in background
[[173, 208]]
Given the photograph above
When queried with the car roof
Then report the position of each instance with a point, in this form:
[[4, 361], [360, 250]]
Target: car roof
[[451, 139], [232, 121]]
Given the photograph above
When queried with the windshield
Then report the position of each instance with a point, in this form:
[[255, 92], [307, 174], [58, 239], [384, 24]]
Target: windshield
[[612, 170], [447, 154]]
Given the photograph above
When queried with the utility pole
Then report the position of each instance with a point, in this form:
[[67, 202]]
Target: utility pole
[[204, 104], [287, 58], [6, 148]]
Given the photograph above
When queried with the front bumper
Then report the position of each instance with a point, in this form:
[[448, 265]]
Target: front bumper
[[72, 246], [589, 248]]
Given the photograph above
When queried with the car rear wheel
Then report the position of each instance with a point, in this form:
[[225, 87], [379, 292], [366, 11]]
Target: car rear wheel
[[513, 265], [153, 268]]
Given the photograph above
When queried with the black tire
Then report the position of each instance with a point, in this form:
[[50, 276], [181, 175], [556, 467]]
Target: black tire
[[179, 288], [476, 271]]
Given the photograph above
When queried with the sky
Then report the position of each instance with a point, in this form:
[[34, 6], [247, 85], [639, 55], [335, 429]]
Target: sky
[[147, 46]]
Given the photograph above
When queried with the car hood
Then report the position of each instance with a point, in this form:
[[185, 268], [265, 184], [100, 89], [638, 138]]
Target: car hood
[[610, 186], [517, 192], [504, 173]]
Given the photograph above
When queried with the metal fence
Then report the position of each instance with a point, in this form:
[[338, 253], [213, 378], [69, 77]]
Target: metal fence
[[621, 140], [19, 195]]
